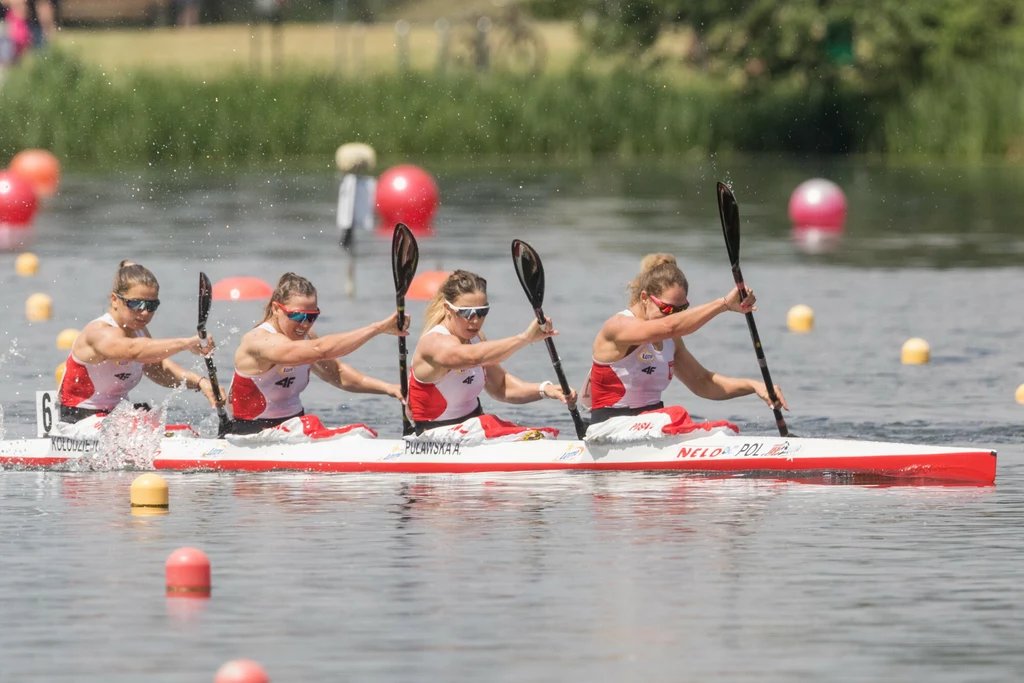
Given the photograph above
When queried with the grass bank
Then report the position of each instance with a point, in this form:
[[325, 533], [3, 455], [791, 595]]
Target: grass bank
[[90, 117], [216, 50]]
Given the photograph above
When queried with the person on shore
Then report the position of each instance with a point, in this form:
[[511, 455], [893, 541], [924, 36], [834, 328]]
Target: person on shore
[[453, 363], [114, 351], [356, 198], [15, 35], [640, 349], [274, 360], [188, 12], [42, 21]]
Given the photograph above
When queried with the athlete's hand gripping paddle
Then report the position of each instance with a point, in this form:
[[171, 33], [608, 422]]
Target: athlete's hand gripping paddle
[[205, 299], [530, 272], [405, 255], [729, 212]]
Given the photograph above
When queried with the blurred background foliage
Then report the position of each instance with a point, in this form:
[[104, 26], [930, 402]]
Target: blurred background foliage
[[882, 47], [929, 79]]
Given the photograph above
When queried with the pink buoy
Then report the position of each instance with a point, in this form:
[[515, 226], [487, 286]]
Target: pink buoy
[[18, 202], [241, 288], [406, 194], [188, 574], [818, 204], [241, 671]]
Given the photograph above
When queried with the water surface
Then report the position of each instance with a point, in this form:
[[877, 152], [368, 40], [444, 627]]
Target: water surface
[[578, 576]]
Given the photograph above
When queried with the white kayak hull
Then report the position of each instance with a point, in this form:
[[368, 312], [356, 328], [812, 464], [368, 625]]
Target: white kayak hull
[[715, 454]]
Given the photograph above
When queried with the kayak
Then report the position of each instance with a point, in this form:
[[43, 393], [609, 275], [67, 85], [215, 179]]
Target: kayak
[[714, 454]]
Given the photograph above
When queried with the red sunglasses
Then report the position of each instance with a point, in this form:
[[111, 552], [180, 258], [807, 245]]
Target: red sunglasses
[[300, 316], [668, 309]]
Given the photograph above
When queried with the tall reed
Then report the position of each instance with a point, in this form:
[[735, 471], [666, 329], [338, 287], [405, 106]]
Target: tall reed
[[95, 119]]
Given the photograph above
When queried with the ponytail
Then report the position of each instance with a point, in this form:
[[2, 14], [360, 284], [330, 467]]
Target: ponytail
[[288, 286], [130, 274], [458, 283]]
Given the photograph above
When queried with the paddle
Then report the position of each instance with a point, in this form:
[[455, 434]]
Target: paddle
[[405, 254], [729, 212], [530, 272], [205, 299]]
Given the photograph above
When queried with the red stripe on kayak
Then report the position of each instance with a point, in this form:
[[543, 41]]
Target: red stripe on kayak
[[974, 467], [33, 462]]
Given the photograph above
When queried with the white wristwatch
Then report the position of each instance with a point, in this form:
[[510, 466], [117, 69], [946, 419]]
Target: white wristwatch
[[544, 385]]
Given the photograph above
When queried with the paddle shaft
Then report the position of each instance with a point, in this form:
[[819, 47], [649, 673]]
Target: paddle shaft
[[577, 421], [780, 421], [211, 369], [403, 366]]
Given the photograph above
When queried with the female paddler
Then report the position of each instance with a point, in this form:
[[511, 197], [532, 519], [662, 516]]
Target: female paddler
[[640, 349], [274, 359], [453, 363], [114, 351]]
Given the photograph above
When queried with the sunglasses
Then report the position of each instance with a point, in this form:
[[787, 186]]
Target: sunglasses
[[140, 304], [468, 312], [668, 309], [300, 316]]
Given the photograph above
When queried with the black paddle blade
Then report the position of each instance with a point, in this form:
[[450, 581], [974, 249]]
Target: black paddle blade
[[729, 212], [405, 256], [530, 272], [205, 299]]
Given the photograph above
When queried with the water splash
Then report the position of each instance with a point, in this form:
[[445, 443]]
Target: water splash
[[128, 440], [12, 353]]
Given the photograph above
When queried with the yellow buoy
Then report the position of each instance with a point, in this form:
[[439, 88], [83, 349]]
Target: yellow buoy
[[38, 307], [66, 338], [1020, 394], [800, 319], [149, 494], [916, 352], [59, 373], [26, 264]]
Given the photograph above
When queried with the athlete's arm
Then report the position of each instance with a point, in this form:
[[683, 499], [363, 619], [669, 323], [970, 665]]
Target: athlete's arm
[[502, 385], [347, 378], [169, 374], [447, 352], [109, 343], [279, 350], [711, 385], [622, 331]]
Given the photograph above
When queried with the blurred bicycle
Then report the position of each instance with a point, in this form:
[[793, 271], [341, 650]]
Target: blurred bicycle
[[508, 42]]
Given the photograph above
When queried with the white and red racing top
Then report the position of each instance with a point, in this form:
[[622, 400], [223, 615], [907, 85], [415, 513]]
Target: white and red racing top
[[454, 395], [99, 386], [271, 394], [635, 381]]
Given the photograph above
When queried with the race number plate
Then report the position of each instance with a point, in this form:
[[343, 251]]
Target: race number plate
[[46, 412]]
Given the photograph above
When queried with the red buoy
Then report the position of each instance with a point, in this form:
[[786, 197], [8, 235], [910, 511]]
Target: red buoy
[[818, 204], [17, 200], [241, 671], [406, 194], [41, 168], [425, 285], [241, 288], [188, 574]]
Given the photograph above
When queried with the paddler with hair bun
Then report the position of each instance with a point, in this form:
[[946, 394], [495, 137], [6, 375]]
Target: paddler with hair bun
[[454, 363], [640, 349], [114, 351], [274, 361]]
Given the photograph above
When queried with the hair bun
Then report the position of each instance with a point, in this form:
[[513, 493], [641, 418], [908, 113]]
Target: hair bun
[[654, 260], [125, 264]]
